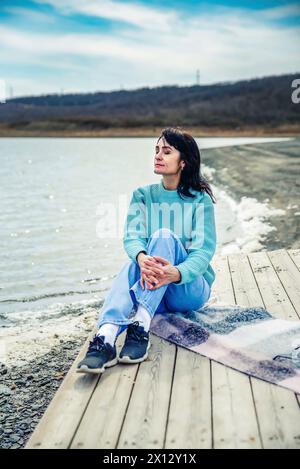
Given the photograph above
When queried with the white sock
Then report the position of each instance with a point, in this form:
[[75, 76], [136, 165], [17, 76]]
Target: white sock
[[110, 332], [143, 316]]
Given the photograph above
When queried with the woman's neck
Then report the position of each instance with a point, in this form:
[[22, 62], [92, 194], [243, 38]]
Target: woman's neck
[[170, 182]]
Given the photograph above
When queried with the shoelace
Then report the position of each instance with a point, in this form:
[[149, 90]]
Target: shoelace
[[133, 333], [96, 344]]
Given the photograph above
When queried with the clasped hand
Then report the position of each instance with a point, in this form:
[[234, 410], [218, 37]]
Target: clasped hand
[[156, 272]]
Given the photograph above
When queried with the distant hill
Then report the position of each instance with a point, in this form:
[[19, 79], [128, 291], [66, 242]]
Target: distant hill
[[230, 105]]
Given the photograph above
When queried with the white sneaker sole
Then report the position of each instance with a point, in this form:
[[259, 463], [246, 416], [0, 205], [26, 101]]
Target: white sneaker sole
[[127, 359], [96, 371]]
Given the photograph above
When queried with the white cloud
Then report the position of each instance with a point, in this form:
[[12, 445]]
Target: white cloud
[[281, 12], [81, 45], [133, 13], [30, 15]]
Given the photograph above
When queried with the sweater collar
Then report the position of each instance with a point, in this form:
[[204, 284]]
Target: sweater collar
[[166, 192]]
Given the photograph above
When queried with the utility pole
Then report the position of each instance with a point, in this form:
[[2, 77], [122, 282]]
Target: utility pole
[[198, 77], [11, 92]]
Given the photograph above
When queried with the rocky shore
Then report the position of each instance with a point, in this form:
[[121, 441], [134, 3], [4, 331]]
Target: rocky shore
[[284, 130], [36, 360], [26, 391], [268, 172]]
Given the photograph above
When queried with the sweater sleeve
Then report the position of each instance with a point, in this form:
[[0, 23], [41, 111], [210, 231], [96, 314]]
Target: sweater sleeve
[[203, 242], [135, 228]]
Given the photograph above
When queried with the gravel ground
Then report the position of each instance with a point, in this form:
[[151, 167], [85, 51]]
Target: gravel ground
[[26, 391]]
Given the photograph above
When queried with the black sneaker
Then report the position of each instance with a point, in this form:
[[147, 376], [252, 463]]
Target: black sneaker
[[136, 345], [100, 355]]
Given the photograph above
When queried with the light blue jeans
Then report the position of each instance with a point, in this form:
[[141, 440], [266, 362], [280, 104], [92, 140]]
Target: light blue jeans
[[126, 292]]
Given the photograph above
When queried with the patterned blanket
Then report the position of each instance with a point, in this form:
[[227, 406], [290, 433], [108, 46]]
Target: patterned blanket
[[248, 339]]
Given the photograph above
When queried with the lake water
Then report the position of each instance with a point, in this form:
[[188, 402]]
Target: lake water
[[53, 262]]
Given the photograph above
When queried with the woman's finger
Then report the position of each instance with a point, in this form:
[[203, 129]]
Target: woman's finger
[[151, 279], [158, 271], [154, 270], [161, 259], [149, 285], [147, 272], [151, 259], [142, 283], [148, 279], [153, 262], [158, 285]]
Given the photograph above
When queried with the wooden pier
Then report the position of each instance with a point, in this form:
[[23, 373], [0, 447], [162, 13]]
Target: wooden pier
[[178, 398]]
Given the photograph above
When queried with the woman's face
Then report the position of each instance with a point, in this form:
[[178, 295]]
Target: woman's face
[[167, 158]]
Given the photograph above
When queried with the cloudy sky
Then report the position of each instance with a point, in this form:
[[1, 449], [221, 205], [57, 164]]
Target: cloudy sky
[[53, 46]]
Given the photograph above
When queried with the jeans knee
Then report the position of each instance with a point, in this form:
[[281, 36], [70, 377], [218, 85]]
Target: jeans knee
[[162, 233]]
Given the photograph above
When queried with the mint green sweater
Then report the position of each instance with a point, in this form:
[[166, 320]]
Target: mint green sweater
[[153, 207]]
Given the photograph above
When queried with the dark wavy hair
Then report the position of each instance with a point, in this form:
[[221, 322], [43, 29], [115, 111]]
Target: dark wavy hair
[[191, 176]]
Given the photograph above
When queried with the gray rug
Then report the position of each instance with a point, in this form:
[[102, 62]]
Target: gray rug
[[248, 339]]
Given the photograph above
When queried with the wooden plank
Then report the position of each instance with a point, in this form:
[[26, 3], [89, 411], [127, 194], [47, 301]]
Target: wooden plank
[[278, 415], [102, 421], [292, 284], [295, 256], [289, 276], [234, 416], [235, 427], [234, 420], [277, 408], [60, 420], [274, 296], [146, 417], [222, 286], [189, 423]]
